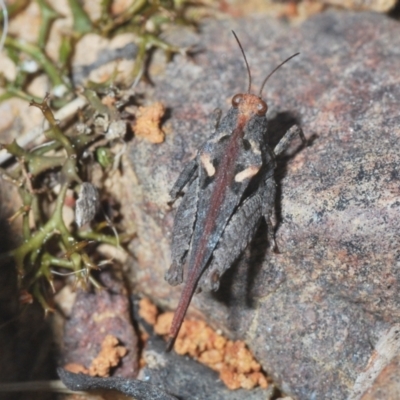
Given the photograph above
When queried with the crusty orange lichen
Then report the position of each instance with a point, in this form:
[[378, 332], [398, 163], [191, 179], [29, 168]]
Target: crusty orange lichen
[[147, 123], [109, 356], [240, 358], [163, 323], [148, 311], [236, 365], [76, 368]]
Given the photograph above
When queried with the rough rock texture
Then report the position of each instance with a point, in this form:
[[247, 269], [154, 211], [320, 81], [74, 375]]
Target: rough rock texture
[[314, 313], [166, 376], [380, 377], [102, 313], [189, 380], [386, 385]]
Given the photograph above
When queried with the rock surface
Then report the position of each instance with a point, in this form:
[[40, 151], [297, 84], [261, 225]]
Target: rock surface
[[314, 313], [188, 379], [380, 380], [101, 313]]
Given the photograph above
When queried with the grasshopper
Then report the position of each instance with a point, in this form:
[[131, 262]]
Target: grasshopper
[[230, 188]]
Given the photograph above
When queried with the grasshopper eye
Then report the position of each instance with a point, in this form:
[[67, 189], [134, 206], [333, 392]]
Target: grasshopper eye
[[237, 98], [261, 107]]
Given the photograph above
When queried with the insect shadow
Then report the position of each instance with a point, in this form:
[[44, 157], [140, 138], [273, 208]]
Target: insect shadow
[[238, 282]]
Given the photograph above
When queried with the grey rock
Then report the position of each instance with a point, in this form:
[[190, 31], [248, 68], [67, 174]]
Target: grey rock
[[313, 313], [379, 380], [189, 380], [133, 388]]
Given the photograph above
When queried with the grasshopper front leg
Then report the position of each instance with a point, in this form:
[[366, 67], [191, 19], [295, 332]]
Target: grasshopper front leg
[[186, 176]]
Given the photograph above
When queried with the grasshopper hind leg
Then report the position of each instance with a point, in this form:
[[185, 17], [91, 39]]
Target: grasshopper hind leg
[[237, 235], [269, 209], [283, 144]]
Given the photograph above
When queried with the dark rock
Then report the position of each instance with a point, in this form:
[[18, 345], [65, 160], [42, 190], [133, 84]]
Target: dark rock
[[188, 379], [130, 387], [313, 313]]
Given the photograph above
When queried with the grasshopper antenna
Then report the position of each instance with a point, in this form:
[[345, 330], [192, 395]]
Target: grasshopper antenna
[[269, 75], [245, 60]]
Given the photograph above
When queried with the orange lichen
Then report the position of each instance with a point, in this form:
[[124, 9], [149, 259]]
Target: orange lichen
[[148, 311], [212, 357], [236, 365], [163, 323], [76, 368], [147, 123], [240, 358], [109, 356]]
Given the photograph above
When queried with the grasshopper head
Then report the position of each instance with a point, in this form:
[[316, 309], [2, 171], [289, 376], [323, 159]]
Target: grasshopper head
[[249, 104]]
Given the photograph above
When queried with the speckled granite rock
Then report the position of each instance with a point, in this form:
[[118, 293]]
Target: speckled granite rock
[[313, 313], [380, 379]]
